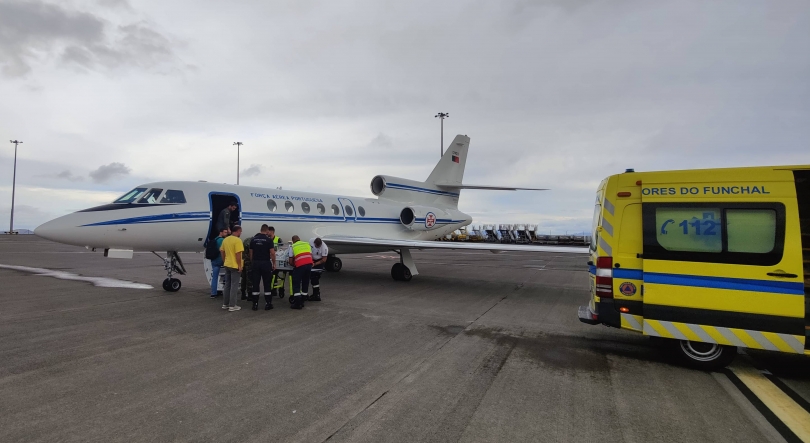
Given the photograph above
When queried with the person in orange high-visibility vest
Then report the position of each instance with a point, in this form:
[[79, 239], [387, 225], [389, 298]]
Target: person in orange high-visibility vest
[[300, 257]]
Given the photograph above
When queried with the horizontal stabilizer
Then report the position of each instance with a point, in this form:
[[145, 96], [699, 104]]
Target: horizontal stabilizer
[[490, 188]]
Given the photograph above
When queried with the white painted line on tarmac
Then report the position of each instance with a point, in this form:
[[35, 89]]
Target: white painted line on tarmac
[[103, 282]]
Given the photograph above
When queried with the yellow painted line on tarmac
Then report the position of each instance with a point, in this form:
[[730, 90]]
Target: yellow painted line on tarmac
[[787, 410]]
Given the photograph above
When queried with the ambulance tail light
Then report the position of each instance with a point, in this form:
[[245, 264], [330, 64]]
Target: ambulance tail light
[[604, 277]]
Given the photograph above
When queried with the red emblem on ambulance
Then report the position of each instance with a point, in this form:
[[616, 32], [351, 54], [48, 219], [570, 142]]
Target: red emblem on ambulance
[[627, 288], [430, 220]]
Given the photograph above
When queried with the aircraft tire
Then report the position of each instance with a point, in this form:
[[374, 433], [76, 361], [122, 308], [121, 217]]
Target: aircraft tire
[[173, 285], [334, 264], [400, 272]]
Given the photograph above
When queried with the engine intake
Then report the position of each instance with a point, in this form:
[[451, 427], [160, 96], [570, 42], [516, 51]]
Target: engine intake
[[422, 218]]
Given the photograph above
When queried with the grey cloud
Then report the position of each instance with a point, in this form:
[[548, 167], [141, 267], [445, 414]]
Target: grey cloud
[[253, 170], [31, 32], [67, 175], [106, 173], [381, 141]]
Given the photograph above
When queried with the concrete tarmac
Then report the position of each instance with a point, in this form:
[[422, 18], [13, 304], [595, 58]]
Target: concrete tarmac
[[478, 348]]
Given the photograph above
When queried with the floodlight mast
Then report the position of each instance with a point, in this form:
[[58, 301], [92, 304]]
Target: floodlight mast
[[442, 116], [13, 188], [238, 145]]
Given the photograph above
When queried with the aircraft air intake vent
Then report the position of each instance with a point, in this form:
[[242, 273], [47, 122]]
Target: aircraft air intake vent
[[377, 185], [407, 217]]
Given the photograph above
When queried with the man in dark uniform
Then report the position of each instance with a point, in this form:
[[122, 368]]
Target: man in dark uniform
[[246, 285], [224, 219], [320, 253], [263, 259]]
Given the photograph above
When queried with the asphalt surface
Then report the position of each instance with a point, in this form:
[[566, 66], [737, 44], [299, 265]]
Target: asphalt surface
[[478, 347]]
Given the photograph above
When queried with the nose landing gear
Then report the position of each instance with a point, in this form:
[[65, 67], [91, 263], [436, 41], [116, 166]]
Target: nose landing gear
[[173, 265]]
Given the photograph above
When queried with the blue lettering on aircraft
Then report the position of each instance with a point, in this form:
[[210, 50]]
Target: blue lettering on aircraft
[[285, 197], [707, 190]]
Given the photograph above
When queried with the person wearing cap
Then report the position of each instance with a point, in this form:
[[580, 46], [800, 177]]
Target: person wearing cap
[[224, 220], [300, 257], [319, 255]]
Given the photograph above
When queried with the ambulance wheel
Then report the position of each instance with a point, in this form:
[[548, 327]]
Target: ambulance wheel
[[400, 272], [333, 264], [705, 356], [172, 284]]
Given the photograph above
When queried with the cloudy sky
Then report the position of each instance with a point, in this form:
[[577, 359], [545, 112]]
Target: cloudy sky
[[107, 94]]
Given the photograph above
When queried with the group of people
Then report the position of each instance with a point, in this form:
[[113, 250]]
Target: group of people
[[253, 261]]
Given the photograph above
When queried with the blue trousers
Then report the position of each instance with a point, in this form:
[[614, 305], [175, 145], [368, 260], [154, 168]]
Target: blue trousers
[[215, 277]]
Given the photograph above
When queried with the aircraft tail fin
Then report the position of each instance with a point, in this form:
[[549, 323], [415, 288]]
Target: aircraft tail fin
[[450, 169]]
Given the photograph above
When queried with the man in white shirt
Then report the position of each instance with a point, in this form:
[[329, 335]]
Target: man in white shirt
[[319, 255]]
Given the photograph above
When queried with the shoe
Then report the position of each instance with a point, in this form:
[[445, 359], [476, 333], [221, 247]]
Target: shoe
[[224, 306], [297, 306], [213, 295], [268, 306], [255, 306], [314, 297], [234, 308]]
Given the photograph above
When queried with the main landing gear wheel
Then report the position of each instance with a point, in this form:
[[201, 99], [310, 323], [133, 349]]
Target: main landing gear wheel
[[333, 264], [172, 284], [401, 272], [705, 356]]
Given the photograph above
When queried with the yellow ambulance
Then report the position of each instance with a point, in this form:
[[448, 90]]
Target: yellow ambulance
[[709, 260]]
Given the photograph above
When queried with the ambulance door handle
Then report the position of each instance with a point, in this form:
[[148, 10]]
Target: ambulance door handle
[[782, 275]]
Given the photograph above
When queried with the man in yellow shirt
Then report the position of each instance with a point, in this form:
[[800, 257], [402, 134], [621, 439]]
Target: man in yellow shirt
[[232, 249]]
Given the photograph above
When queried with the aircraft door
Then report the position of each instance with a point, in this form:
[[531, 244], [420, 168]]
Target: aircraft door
[[220, 201], [349, 211]]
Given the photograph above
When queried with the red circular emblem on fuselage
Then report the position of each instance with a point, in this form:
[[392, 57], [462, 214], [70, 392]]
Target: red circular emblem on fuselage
[[430, 220]]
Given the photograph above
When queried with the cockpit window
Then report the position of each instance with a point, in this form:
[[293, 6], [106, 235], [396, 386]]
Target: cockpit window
[[151, 197], [131, 196], [173, 196]]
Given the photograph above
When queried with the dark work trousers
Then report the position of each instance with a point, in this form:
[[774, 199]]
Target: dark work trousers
[[262, 273], [300, 285], [315, 279]]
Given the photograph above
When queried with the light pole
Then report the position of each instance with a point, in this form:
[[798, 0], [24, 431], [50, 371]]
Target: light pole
[[442, 116], [13, 187], [238, 145]]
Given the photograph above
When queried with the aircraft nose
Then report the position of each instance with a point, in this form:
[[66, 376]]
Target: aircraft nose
[[53, 230]]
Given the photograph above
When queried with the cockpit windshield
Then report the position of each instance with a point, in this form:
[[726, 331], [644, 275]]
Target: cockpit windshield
[[151, 197], [131, 196]]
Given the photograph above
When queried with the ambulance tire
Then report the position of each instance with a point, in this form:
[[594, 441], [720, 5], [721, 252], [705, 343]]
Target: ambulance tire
[[704, 356]]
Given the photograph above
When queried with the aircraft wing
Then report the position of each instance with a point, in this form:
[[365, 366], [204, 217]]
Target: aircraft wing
[[489, 188], [425, 244]]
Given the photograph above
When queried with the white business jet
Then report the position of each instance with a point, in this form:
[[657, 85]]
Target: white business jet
[[178, 216]]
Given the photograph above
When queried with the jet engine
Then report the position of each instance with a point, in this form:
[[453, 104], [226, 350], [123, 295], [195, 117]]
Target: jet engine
[[423, 218]]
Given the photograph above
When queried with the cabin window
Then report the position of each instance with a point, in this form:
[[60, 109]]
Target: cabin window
[[151, 197], [335, 209], [349, 211], [173, 196], [321, 208], [751, 230], [271, 205], [289, 206], [733, 233], [131, 196], [305, 207], [361, 211]]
